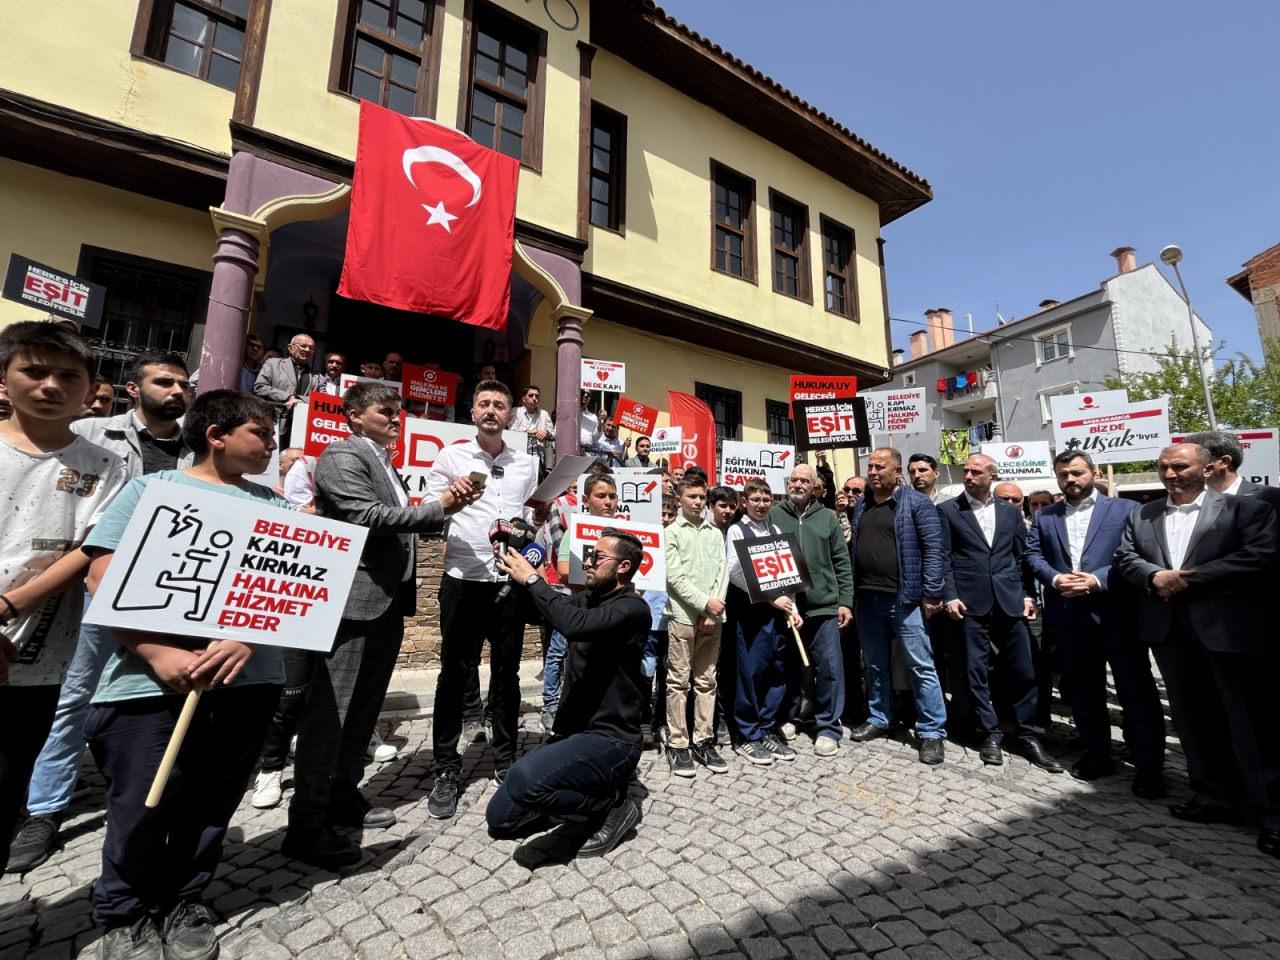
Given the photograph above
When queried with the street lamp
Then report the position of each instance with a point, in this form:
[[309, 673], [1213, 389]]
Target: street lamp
[[1172, 256]]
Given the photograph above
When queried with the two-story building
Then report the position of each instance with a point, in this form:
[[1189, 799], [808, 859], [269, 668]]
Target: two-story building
[[996, 384], [677, 209]]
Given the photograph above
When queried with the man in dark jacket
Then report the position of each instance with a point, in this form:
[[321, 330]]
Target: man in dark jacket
[[581, 775], [827, 605], [990, 594], [898, 575]]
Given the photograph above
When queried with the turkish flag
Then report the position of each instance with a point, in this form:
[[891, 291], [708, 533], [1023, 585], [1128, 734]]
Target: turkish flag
[[432, 221], [699, 426]]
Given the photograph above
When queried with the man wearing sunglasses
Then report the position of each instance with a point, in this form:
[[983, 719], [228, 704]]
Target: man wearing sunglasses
[[580, 775]]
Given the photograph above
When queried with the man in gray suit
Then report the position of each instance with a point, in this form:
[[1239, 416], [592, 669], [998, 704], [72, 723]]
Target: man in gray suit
[[356, 482], [1200, 559], [287, 380]]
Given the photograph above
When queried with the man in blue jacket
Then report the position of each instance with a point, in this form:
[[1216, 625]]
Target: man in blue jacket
[[988, 591], [898, 581], [1070, 548]]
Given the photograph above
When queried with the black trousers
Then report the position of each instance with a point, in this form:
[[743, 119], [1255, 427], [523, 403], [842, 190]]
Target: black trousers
[[946, 638], [470, 613], [154, 858], [855, 686], [1009, 634], [1086, 648], [579, 777], [340, 711], [26, 715], [1223, 709], [298, 666]]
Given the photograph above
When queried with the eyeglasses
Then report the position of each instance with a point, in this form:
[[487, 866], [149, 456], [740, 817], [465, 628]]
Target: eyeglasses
[[853, 491], [595, 558]]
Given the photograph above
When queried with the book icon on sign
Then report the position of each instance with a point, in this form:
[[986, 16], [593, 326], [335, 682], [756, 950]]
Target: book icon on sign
[[639, 492], [774, 459]]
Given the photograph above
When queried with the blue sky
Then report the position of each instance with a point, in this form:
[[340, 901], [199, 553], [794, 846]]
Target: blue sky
[[1052, 133]]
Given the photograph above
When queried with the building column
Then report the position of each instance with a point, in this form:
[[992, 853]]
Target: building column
[[569, 320], [235, 264]]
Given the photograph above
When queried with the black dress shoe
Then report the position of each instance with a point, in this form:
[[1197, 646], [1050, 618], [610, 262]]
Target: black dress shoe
[[932, 751], [867, 732], [320, 847], [1148, 783], [990, 752], [621, 819], [1269, 842], [1036, 753], [349, 808], [1092, 766], [1193, 811]]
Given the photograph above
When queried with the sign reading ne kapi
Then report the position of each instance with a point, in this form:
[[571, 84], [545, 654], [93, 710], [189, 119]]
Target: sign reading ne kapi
[[741, 462], [772, 566], [830, 424], [198, 563], [48, 289]]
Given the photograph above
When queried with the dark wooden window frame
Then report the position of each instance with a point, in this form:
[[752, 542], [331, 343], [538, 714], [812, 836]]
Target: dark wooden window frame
[[720, 171], [535, 92], [346, 30], [781, 203], [779, 410], [616, 123], [709, 393], [849, 274], [151, 29]]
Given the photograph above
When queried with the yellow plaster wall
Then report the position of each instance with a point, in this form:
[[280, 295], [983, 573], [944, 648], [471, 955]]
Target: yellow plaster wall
[[671, 141], [75, 53], [294, 100], [48, 216]]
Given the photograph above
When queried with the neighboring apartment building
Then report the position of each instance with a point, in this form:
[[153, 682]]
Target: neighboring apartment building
[[1259, 283], [676, 210], [1011, 371]]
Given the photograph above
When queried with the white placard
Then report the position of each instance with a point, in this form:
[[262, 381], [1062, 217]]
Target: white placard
[[1261, 454], [900, 413], [1119, 433], [424, 439], [607, 375], [666, 440], [639, 494], [1021, 461], [1063, 405], [584, 531], [741, 462], [197, 563]]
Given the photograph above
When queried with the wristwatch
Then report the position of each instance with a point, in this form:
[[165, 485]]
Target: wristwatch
[[531, 579]]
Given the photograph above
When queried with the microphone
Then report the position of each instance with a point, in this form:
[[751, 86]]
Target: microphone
[[518, 534]]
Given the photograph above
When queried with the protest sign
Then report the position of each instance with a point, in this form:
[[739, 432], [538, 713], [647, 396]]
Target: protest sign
[[741, 462], [900, 413], [639, 494], [61, 293], [324, 423], [606, 375], [1021, 461], [585, 530], [634, 415], [821, 388], [1116, 433], [422, 440], [772, 566], [226, 568], [666, 441], [561, 477], [347, 380], [429, 385], [1261, 462], [1064, 404], [831, 424]]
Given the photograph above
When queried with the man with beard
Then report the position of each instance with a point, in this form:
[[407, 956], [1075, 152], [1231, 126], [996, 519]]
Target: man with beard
[[330, 381], [473, 607], [148, 439], [581, 774]]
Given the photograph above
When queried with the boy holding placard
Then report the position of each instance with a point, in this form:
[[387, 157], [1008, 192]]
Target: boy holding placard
[[157, 861], [59, 484]]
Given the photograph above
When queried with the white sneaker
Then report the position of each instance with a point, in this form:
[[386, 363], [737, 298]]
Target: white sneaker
[[788, 731], [266, 790], [380, 752], [825, 747]]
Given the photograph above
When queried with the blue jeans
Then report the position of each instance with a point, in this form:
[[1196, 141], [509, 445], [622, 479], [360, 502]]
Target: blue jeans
[[58, 766], [821, 638], [580, 777], [881, 621], [551, 667]]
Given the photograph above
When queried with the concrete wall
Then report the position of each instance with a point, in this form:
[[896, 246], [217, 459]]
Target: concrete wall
[[1149, 315]]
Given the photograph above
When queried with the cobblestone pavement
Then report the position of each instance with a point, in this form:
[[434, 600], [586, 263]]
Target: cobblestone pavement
[[866, 854]]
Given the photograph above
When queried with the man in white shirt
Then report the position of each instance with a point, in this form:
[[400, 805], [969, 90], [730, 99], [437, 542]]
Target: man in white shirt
[[330, 381], [588, 424], [472, 605], [532, 420]]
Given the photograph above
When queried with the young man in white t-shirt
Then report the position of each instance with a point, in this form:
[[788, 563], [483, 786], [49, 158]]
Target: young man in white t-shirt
[[58, 485]]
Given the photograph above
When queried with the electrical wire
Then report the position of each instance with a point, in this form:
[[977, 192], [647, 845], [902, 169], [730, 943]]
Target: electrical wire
[[1002, 339]]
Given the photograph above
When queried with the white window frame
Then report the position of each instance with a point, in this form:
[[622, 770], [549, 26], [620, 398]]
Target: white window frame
[[1062, 389], [1053, 333], [909, 379]]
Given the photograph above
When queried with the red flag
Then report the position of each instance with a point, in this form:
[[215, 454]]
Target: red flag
[[432, 221], [694, 418]]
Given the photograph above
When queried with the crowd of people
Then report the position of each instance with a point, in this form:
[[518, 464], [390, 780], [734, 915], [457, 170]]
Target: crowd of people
[[942, 618]]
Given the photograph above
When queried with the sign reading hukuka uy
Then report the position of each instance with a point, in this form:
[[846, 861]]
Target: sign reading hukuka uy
[[197, 563]]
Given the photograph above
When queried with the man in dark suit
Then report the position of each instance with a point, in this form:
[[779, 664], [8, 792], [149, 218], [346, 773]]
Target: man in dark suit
[[989, 592], [1200, 560], [1226, 454], [356, 482], [1070, 547]]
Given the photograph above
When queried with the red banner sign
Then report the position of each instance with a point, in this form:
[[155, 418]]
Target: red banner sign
[[326, 423], [635, 416], [429, 385], [821, 388]]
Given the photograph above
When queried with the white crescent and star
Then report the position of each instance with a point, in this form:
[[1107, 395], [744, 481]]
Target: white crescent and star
[[437, 214]]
